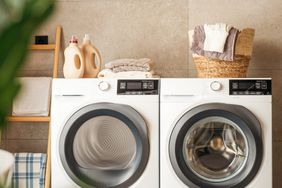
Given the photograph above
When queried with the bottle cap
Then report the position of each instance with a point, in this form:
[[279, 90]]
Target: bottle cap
[[73, 39], [86, 38]]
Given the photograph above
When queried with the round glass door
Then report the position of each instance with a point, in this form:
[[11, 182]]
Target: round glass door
[[104, 145], [215, 148], [216, 145]]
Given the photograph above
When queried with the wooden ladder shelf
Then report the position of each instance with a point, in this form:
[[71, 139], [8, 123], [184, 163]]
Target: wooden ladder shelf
[[56, 48]]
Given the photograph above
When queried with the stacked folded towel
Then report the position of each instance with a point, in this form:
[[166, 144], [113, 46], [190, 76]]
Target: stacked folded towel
[[34, 97], [129, 68], [214, 41], [29, 170]]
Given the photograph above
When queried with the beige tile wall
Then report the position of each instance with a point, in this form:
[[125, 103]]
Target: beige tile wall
[[125, 29], [158, 29]]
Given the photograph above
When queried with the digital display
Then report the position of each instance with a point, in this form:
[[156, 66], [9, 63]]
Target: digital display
[[134, 85], [250, 87], [138, 87], [246, 85]]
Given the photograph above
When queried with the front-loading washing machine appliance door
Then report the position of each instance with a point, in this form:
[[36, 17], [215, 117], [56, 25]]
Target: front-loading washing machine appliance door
[[104, 145], [216, 145]]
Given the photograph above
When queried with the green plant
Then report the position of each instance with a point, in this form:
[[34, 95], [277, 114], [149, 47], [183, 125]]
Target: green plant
[[17, 24]]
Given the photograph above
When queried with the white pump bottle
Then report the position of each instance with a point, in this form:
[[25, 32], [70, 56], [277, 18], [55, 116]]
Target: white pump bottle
[[74, 61]]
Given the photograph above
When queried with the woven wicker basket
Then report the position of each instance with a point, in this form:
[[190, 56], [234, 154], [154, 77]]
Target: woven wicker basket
[[214, 68], [211, 68]]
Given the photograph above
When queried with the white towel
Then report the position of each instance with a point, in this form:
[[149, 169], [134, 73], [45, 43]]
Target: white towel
[[190, 36], [7, 161], [108, 73], [216, 36], [34, 97]]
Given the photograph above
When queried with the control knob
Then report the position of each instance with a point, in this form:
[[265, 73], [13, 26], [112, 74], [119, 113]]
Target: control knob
[[103, 86], [215, 86]]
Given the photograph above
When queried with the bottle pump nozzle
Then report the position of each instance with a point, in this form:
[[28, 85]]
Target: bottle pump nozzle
[[73, 39]]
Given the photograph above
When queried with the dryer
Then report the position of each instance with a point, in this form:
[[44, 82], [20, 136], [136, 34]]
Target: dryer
[[215, 133], [105, 133]]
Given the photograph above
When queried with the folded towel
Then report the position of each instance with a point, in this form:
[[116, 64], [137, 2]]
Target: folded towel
[[29, 170], [34, 97], [119, 65], [198, 45], [130, 68], [216, 36], [108, 73]]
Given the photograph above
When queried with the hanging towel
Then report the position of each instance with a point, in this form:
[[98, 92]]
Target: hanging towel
[[29, 170], [34, 97], [7, 161], [216, 36], [120, 65], [198, 44], [108, 73]]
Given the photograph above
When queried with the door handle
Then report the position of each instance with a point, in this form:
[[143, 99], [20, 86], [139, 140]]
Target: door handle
[[179, 95], [70, 95]]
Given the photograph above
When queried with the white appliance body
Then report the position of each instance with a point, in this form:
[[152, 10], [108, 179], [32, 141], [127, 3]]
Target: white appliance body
[[178, 97], [69, 96]]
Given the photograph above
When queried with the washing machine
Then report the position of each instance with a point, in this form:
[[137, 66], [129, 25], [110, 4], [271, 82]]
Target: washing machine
[[104, 133], [215, 133]]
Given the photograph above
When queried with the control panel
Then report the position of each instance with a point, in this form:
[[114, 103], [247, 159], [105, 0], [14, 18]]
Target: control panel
[[250, 87], [138, 87]]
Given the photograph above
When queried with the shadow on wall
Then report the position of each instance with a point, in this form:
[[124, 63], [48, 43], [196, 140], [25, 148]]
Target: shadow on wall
[[62, 58], [266, 55]]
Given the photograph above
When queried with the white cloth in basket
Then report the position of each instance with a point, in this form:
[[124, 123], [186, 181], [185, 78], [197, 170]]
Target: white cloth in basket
[[216, 36]]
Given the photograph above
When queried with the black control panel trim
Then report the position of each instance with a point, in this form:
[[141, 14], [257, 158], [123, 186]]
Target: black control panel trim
[[250, 87], [138, 87]]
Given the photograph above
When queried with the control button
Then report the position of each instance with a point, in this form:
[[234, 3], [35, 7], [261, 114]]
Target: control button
[[234, 93], [103, 86], [215, 86], [145, 85], [257, 85], [151, 85], [122, 85], [263, 85], [235, 85]]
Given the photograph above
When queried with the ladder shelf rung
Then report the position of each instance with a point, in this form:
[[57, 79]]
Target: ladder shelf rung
[[42, 47], [28, 118]]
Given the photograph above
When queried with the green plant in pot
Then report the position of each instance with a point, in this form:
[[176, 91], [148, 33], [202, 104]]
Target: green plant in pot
[[18, 21]]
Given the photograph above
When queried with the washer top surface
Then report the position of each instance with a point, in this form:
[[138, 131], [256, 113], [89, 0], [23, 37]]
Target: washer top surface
[[143, 89], [223, 88]]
